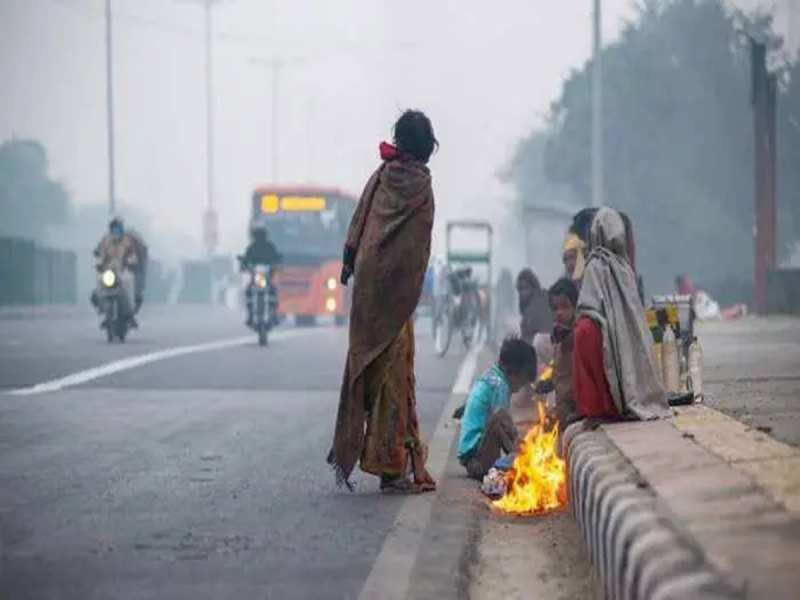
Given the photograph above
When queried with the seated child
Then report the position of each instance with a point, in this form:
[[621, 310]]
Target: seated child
[[563, 301], [487, 429]]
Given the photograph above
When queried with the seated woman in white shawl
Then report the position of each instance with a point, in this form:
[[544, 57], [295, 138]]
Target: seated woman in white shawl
[[613, 372]]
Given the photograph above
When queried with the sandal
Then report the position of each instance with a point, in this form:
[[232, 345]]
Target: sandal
[[399, 485], [426, 486]]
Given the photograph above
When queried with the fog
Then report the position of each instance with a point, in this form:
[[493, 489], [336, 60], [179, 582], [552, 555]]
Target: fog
[[485, 73]]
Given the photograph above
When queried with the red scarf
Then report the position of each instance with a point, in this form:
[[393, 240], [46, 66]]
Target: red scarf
[[388, 152]]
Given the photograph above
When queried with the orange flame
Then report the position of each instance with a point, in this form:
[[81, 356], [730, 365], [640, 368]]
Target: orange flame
[[536, 483]]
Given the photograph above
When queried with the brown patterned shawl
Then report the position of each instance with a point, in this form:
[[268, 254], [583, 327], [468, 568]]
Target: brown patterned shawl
[[391, 236]]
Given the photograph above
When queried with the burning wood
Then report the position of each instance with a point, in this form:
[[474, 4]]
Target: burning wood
[[536, 483]]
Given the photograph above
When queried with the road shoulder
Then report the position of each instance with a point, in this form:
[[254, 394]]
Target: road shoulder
[[393, 573], [467, 551]]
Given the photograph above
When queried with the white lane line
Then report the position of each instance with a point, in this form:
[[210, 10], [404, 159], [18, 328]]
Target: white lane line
[[143, 359], [391, 573], [466, 373]]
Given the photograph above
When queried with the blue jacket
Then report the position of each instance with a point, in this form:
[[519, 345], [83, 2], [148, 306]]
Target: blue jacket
[[490, 392]]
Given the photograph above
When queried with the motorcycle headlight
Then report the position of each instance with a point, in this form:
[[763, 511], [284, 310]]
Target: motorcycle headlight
[[261, 280], [108, 278], [331, 283]]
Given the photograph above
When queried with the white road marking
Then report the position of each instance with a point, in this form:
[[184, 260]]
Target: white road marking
[[132, 362], [466, 373], [391, 573]]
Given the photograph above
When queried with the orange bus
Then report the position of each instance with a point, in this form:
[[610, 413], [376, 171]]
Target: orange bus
[[308, 226]]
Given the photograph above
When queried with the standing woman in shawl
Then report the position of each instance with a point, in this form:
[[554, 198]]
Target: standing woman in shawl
[[613, 372], [387, 250]]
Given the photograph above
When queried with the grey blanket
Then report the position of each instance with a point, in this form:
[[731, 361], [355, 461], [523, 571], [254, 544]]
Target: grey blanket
[[609, 297]]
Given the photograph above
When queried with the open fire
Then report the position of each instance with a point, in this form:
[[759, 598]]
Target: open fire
[[536, 483]]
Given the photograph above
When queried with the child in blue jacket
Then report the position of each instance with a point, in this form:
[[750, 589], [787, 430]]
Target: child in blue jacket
[[487, 429]]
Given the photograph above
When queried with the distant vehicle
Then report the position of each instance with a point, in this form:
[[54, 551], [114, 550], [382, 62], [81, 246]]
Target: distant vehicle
[[308, 226], [263, 312], [465, 305], [460, 311], [114, 284]]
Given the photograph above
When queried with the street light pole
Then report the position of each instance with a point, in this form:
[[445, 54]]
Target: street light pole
[[276, 69], [209, 110], [210, 220], [597, 108], [112, 207], [275, 65]]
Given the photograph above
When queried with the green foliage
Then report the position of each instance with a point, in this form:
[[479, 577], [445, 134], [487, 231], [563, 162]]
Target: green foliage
[[30, 201], [534, 189], [678, 140]]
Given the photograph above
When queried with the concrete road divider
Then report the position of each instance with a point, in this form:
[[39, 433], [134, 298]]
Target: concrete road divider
[[632, 542], [687, 508]]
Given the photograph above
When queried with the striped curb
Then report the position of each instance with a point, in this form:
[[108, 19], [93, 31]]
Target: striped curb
[[637, 548]]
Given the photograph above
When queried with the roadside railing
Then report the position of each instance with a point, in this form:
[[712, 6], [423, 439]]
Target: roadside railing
[[783, 291], [32, 274]]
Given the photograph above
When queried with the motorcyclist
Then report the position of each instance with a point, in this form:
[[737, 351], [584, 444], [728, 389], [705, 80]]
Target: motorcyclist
[[260, 251], [116, 249]]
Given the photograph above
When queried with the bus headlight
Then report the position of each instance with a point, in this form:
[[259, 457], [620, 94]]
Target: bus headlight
[[108, 278], [330, 305], [332, 283]]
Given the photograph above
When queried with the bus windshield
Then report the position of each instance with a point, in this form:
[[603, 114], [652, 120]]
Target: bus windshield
[[305, 229]]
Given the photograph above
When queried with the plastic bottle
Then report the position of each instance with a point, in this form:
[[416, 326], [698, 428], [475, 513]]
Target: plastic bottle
[[670, 366], [696, 369], [684, 368], [657, 361]]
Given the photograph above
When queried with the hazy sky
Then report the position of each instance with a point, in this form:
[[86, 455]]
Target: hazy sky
[[485, 72]]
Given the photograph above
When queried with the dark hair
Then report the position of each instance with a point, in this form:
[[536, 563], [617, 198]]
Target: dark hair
[[413, 135], [564, 287], [528, 276], [517, 356]]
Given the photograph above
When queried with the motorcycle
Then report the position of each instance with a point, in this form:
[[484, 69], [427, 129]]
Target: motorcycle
[[459, 310], [262, 300], [113, 301]]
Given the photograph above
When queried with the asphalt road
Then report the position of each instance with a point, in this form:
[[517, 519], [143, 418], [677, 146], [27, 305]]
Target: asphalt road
[[199, 476], [203, 475], [752, 372]]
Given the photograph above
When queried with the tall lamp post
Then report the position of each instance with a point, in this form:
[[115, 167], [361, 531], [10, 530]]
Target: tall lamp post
[[275, 65], [598, 196], [112, 205], [210, 218]]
